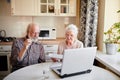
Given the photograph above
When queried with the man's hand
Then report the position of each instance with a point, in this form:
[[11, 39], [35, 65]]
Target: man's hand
[[27, 43]]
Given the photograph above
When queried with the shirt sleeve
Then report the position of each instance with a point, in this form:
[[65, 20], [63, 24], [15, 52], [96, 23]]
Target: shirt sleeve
[[14, 53]]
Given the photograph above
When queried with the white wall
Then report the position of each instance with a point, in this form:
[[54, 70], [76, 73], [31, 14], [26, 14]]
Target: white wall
[[15, 26], [107, 16], [110, 16]]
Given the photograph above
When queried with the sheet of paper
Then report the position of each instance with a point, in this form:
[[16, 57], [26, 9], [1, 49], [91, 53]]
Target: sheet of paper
[[59, 56]]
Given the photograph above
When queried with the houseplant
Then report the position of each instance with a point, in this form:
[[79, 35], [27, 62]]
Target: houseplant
[[112, 38], [118, 11]]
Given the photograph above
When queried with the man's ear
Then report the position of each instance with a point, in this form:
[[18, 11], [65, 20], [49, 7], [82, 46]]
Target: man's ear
[[27, 37]]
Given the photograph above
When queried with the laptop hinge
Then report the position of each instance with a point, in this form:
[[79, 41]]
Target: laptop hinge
[[78, 73]]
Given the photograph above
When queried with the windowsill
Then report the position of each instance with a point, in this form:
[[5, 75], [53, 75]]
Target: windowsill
[[110, 61]]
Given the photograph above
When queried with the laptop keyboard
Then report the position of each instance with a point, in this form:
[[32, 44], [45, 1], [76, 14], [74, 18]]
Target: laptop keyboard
[[59, 70]]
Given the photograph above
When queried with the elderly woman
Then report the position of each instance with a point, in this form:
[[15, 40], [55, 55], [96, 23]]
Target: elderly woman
[[70, 41]]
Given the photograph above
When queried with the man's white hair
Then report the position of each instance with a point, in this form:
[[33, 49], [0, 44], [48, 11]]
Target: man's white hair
[[72, 28]]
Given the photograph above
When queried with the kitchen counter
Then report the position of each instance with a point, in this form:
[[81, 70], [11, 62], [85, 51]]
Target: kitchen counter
[[112, 62], [45, 41], [52, 41], [5, 43]]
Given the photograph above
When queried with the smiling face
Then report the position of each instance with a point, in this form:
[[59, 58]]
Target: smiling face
[[70, 36]]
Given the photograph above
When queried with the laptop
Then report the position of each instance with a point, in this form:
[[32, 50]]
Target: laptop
[[75, 62]]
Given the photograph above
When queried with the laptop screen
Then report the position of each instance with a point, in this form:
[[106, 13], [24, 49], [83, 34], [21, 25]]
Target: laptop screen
[[77, 61]]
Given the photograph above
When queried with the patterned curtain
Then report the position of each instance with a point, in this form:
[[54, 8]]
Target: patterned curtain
[[88, 22]]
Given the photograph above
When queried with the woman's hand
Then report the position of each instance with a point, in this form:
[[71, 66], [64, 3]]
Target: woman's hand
[[54, 60]]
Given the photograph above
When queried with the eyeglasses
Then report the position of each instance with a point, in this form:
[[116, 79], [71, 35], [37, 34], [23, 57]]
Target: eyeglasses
[[34, 32]]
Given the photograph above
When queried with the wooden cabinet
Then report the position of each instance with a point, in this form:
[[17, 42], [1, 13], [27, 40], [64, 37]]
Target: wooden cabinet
[[57, 7], [24, 7], [43, 7], [46, 7]]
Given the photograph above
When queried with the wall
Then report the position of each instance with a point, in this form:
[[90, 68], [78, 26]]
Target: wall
[[107, 16], [111, 15], [15, 26]]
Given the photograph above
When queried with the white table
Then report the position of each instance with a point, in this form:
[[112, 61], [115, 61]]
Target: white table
[[110, 61], [34, 72]]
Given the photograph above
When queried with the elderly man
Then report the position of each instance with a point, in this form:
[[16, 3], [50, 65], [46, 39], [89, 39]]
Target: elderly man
[[26, 51]]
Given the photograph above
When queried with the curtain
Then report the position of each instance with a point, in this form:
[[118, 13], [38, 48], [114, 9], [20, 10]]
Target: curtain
[[88, 22]]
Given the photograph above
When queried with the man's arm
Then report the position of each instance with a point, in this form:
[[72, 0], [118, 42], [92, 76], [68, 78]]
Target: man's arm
[[42, 54], [22, 52], [18, 51], [14, 53]]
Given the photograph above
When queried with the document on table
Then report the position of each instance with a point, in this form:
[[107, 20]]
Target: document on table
[[58, 56]]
